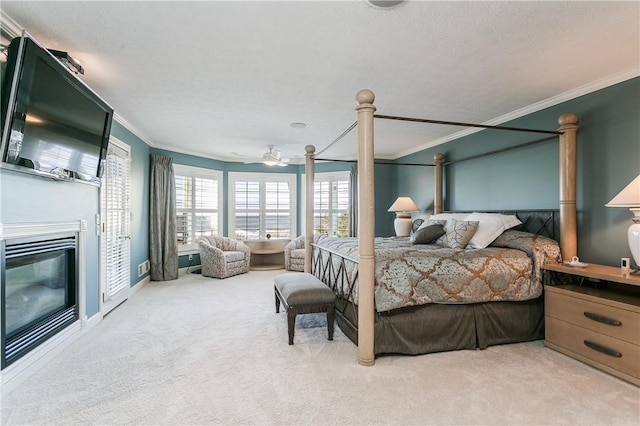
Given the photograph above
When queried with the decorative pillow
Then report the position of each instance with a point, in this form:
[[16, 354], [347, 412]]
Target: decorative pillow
[[490, 227], [457, 233], [430, 222], [428, 234]]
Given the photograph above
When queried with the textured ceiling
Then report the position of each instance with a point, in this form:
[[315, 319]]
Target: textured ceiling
[[224, 79]]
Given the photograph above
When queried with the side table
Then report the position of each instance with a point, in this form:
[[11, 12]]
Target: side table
[[266, 254], [592, 314]]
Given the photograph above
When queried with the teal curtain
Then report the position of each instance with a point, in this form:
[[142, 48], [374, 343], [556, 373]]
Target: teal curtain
[[163, 243]]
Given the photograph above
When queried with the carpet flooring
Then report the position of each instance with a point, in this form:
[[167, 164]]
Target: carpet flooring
[[205, 351]]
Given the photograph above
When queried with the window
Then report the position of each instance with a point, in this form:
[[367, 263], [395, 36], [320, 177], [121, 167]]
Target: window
[[115, 213], [331, 203], [262, 206], [198, 200]]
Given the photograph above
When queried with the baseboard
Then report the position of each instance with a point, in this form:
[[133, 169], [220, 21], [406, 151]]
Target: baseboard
[[139, 285], [89, 323]]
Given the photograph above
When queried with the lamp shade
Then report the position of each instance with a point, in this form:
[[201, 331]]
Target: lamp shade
[[403, 204], [629, 197]]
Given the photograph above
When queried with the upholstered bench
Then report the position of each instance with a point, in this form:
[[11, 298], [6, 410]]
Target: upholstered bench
[[302, 293]]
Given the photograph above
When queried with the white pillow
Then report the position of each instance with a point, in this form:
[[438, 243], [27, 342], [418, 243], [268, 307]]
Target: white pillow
[[447, 216], [490, 227]]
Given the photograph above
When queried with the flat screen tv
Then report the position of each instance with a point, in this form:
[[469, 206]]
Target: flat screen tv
[[53, 124]]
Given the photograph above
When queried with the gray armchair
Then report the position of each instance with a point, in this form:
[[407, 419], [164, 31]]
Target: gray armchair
[[223, 257]]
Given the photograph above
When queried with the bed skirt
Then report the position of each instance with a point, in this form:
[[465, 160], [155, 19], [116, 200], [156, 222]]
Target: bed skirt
[[437, 328]]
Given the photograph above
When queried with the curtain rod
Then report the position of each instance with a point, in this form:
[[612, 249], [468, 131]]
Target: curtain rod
[[345, 133], [456, 123], [498, 151], [446, 163], [452, 123], [376, 162]]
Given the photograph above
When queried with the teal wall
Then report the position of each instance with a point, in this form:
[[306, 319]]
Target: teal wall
[[28, 198], [139, 197], [608, 159], [384, 184], [227, 167]]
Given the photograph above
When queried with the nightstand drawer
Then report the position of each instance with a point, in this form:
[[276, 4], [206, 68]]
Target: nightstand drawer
[[576, 309], [605, 350]]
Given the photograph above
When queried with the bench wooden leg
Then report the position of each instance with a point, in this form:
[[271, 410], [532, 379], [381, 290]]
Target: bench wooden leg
[[291, 323], [330, 317], [277, 302]]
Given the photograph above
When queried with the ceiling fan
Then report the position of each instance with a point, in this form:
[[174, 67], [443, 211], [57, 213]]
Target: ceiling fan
[[271, 158], [274, 158]]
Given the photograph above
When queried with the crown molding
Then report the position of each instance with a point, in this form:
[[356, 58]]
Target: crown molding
[[9, 26], [530, 109], [200, 154], [133, 129], [146, 139]]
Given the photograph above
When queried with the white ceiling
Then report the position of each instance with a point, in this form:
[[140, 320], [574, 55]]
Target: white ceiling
[[218, 79]]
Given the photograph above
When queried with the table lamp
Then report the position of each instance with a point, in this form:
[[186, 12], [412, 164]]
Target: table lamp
[[402, 208], [630, 197]]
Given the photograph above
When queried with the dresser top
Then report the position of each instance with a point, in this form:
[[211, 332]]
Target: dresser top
[[601, 272]]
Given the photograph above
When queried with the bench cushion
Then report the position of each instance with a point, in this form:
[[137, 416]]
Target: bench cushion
[[303, 289]]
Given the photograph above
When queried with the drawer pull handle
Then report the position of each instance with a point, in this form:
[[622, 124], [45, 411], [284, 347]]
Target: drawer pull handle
[[602, 319], [603, 349]]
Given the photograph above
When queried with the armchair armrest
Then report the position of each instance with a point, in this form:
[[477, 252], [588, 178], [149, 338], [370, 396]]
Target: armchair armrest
[[210, 250], [240, 246]]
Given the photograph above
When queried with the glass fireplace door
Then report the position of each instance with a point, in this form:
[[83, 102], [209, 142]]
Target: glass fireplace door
[[39, 291]]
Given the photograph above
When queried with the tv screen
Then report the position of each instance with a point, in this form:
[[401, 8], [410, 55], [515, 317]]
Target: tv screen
[[53, 124]]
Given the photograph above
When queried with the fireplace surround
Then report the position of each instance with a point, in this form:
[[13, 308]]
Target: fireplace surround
[[42, 290], [39, 291]]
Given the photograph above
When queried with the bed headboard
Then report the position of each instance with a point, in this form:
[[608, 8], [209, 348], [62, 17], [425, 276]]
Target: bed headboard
[[539, 222]]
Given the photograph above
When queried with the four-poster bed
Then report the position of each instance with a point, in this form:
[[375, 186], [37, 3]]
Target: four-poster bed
[[432, 325]]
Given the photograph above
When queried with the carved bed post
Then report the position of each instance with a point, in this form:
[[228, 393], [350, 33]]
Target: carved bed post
[[568, 222], [438, 159], [309, 170], [366, 227]]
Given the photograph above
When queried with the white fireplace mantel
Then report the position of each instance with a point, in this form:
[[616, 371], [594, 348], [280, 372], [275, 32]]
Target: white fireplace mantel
[[22, 230], [22, 368]]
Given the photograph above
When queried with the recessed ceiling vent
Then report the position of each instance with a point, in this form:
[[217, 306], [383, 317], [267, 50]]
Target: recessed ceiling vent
[[384, 4]]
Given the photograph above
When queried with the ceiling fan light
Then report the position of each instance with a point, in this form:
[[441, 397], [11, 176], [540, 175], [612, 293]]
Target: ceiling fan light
[[269, 159]]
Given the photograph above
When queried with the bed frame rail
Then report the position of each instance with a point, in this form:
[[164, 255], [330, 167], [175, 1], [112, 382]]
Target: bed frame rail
[[330, 267], [539, 222]]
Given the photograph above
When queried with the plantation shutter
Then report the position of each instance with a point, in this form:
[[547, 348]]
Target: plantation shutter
[[277, 207], [116, 255], [198, 198], [183, 209]]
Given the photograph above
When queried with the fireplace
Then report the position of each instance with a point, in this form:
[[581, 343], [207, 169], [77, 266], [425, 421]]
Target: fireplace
[[40, 290]]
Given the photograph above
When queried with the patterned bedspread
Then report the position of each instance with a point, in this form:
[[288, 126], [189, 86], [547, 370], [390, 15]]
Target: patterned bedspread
[[408, 275]]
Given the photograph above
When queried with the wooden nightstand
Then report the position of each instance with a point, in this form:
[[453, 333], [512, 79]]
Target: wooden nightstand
[[592, 314]]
